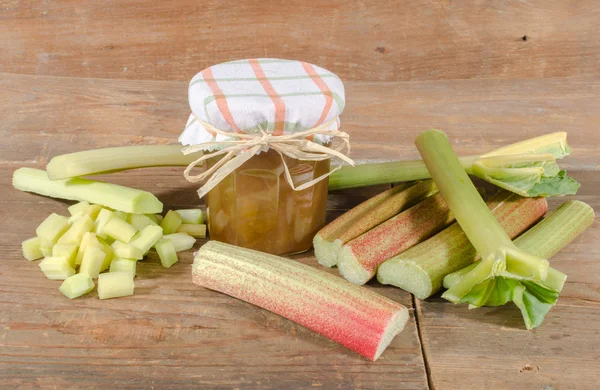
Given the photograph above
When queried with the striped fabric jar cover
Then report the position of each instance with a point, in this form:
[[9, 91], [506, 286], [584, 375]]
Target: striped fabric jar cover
[[277, 96]]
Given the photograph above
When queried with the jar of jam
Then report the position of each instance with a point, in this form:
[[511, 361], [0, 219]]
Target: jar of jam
[[255, 207], [239, 109]]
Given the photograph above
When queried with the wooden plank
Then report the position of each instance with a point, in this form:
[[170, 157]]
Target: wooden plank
[[47, 116], [170, 334], [378, 40]]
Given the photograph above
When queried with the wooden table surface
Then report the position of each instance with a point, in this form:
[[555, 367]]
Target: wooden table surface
[[76, 76]]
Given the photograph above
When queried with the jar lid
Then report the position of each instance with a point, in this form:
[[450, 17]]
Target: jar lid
[[273, 95]]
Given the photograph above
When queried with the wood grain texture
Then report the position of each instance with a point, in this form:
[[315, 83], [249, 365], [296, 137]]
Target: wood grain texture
[[172, 334], [47, 116], [379, 40], [490, 348]]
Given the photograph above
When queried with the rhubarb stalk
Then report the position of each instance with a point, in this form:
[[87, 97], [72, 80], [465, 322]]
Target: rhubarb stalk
[[421, 269], [329, 240], [527, 168], [353, 316], [358, 259], [499, 256], [106, 160], [111, 195], [557, 229]]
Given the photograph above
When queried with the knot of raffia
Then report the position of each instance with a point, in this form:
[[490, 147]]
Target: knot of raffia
[[237, 151]]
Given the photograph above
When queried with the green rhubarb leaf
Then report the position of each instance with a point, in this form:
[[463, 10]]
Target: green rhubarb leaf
[[520, 184], [533, 307], [533, 299], [493, 292], [530, 179], [551, 169], [528, 168], [559, 185], [541, 292]]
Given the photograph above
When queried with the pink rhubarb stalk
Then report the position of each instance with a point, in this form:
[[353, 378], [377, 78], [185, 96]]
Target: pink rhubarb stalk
[[362, 218], [358, 259], [353, 316]]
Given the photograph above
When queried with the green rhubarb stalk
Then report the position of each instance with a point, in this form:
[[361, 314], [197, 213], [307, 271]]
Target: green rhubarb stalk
[[181, 241], [110, 195], [378, 173], [421, 269], [115, 284], [124, 265], [56, 268], [557, 229], [527, 168], [108, 252], [127, 251], [362, 218], [67, 250], [76, 285], [353, 316], [147, 237], [92, 261], [166, 252], [537, 175], [119, 229], [194, 216], [84, 208], [500, 257], [140, 221], [51, 229], [76, 231], [31, 248], [171, 222], [196, 230], [106, 160]]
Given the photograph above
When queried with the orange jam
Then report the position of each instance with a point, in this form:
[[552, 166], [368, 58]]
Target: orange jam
[[255, 207]]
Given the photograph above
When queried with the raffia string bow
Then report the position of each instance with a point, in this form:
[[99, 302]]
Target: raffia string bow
[[236, 152]]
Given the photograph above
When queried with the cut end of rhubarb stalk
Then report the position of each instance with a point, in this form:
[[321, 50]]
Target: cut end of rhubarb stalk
[[366, 216], [353, 316], [326, 251], [394, 327], [406, 275], [351, 269]]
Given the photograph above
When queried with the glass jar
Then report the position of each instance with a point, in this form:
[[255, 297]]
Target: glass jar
[[255, 207]]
